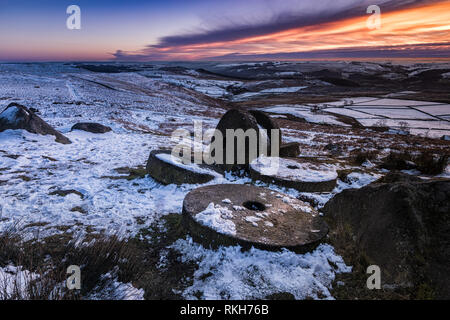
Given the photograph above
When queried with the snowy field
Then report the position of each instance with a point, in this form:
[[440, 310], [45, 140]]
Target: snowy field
[[143, 109], [417, 117]]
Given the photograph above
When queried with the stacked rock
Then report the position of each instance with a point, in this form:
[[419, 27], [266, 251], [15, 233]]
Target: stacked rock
[[245, 215]]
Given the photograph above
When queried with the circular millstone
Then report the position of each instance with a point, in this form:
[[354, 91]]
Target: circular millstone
[[167, 170], [231, 214], [294, 173]]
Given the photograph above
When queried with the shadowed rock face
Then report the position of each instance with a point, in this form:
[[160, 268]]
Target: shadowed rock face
[[91, 127], [266, 122], [16, 116], [401, 224]]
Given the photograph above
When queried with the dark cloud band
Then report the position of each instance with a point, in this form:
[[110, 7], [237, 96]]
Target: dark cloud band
[[278, 23]]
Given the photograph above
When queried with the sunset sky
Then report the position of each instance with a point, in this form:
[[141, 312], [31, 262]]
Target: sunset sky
[[138, 30]]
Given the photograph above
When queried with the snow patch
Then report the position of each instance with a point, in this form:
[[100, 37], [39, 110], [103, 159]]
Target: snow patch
[[168, 158], [253, 220], [296, 171], [230, 274], [217, 218], [283, 90], [305, 112]]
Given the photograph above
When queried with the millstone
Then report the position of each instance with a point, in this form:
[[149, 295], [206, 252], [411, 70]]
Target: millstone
[[238, 119], [162, 168], [265, 121], [296, 174], [231, 214]]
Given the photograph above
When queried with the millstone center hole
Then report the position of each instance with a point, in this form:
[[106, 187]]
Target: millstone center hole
[[254, 206], [292, 167]]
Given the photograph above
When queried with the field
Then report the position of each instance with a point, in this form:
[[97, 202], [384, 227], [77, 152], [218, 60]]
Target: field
[[350, 114]]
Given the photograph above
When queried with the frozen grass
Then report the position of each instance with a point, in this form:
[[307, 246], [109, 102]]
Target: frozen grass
[[37, 270]]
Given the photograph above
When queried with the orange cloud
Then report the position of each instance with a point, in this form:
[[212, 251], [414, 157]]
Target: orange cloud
[[428, 24]]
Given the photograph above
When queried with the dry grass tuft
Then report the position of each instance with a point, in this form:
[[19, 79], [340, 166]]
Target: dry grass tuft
[[102, 260]]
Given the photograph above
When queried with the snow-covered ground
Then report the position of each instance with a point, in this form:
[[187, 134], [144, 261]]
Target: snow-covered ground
[[306, 113], [45, 185], [294, 171], [429, 119], [212, 88], [236, 274], [247, 95], [33, 166]]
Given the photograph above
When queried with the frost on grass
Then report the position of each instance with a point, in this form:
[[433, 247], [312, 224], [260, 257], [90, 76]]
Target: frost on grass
[[229, 273], [217, 218], [113, 289], [14, 282]]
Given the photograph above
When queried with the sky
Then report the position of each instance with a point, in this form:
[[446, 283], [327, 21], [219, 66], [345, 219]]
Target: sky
[[138, 30]]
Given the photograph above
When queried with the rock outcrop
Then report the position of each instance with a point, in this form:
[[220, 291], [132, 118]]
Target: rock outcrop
[[402, 224], [16, 116]]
